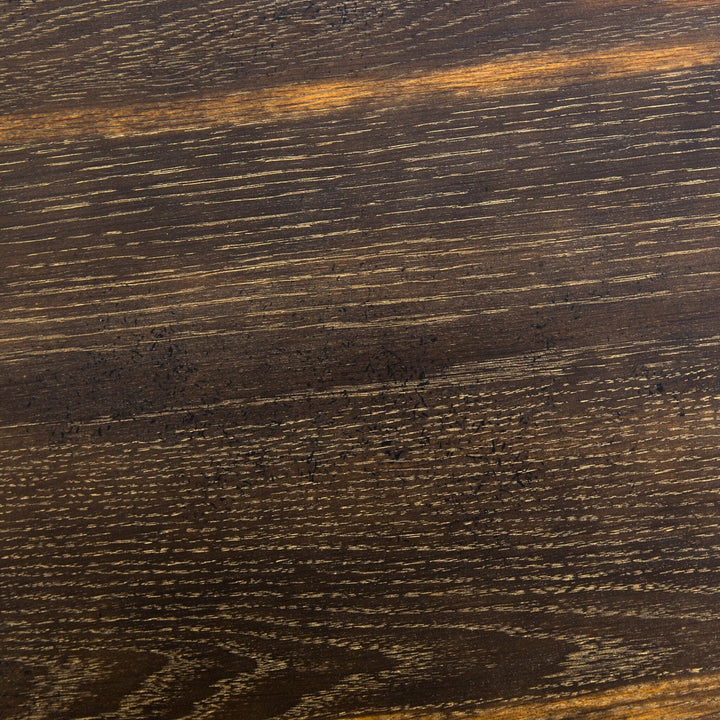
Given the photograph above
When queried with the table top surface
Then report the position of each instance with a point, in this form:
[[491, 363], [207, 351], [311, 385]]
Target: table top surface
[[359, 359]]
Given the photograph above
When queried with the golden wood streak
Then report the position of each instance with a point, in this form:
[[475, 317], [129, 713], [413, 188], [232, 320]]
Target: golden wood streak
[[545, 70], [678, 699]]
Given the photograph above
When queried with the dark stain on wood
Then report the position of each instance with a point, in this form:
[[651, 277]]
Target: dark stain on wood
[[404, 408]]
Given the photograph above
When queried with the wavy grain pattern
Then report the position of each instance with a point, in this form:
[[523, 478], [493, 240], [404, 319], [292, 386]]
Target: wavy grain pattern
[[391, 391]]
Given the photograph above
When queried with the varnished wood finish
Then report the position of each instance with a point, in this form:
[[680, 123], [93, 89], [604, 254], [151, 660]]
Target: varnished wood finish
[[359, 360]]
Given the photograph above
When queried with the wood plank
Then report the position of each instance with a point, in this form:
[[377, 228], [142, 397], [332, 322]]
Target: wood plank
[[369, 373]]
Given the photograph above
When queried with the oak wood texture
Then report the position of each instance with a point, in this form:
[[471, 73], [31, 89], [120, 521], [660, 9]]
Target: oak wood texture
[[359, 360]]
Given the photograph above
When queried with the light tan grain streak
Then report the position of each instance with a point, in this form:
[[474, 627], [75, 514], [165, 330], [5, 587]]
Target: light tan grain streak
[[676, 699], [525, 71]]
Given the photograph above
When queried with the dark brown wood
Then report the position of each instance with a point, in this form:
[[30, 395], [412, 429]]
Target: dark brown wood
[[359, 359]]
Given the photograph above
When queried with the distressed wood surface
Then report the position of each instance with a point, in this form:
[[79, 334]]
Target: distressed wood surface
[[359, 360]]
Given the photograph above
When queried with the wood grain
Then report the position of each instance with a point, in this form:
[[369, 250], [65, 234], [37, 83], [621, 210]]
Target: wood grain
[[678, 698], [531, 70], [359, 360]]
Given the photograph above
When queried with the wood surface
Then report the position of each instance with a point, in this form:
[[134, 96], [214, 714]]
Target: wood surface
[[360, 359]]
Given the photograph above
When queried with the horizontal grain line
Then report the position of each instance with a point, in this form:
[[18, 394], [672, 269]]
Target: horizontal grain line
[[516, 365], [538, 70], [685, 698]]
